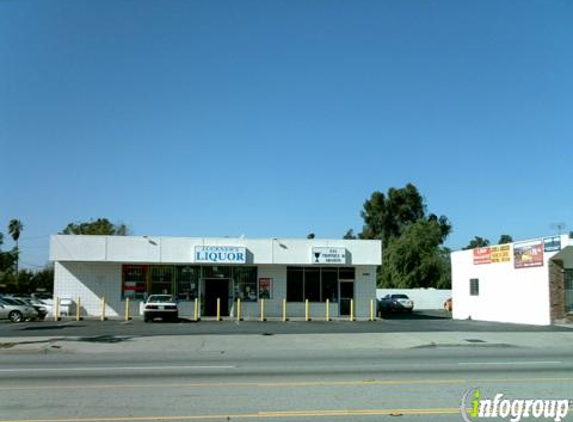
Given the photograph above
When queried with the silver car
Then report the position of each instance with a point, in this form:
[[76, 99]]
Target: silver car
[[15, 311]]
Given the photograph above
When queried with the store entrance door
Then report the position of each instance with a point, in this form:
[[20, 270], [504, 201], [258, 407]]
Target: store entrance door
[[216, 288], [346, 294]]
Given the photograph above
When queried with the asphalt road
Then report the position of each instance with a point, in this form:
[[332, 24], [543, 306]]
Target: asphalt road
[[428, 321], [246, 382]]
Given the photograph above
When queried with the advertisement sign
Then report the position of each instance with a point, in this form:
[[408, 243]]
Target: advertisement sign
[[528, 254], [482, 256], [501, 254], [265, 288], [328, 256], [552, 244], [220, 254]]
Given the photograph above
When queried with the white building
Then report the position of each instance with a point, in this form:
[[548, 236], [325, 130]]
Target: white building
[[121, 267], [522, 282]]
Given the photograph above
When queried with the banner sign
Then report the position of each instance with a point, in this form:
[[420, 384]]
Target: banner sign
[[528, 254], [552, 244], [482, 256], [501, 253], [328, 255], [265, 288], [220, 254]]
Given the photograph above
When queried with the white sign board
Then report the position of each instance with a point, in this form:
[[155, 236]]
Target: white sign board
[[329, 256], [220, 254]]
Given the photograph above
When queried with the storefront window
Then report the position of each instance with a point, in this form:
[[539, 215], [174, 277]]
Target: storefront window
[[330, 284], [187, 282], [161, 280], [295, 283], [246, 283], [312, 284], [134, 284], [317, 284]]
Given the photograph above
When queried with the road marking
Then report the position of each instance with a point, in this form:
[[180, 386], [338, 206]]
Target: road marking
[[259, 415], [541, 362], [359, 383], [117, 368]]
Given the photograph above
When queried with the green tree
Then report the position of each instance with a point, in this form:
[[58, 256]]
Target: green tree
[[416, 259], [411, 238], [15, 228], [101, 226], [386, 216], [310, 236], [477, 242], [349, 235], [505, 238]]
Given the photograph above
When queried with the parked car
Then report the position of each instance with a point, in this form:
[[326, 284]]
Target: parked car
[[394, 303], [160, 306], [40, 307], [448, 305], [15, 311]]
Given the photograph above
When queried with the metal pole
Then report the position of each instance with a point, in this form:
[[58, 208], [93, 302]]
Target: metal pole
[[238, 309], [306, 316], [218, 309], [196, 310], [57, 309], [351, 309], [103, 308], [284, 310], [262, 310], [371, 309], [327, 309], [127, 309], [78, 308]]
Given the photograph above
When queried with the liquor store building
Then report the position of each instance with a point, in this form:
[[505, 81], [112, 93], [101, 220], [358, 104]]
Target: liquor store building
[[118, 268]]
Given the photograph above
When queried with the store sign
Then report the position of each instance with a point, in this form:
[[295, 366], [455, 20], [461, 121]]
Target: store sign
[[482, 256], [528, 254], [501, 253], [220, 254], [328, 256], [552, 244]]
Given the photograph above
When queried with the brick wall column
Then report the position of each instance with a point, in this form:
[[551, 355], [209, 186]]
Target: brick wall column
[[557, 289]]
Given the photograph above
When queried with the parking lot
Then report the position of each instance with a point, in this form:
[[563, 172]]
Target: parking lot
[[421, 321]]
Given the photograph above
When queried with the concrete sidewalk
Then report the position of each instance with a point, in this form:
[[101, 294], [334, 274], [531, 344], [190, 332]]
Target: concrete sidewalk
[[281, 342]]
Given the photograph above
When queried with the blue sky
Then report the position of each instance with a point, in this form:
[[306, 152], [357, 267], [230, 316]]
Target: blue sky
[[279, 118]]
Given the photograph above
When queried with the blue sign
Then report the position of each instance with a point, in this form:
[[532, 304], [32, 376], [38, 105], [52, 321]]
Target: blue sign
[[552, 244], [220, 254]]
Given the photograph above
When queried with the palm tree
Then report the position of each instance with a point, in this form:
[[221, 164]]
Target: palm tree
[[15, 228]]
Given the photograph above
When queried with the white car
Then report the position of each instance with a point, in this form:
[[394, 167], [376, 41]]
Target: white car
[[160, 306]]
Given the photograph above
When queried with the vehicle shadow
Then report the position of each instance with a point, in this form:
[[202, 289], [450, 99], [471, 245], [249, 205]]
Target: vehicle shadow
[[418, 315]]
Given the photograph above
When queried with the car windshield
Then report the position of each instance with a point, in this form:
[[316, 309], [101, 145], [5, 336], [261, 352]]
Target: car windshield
[[400, 297], [11, 301], [160, 298]]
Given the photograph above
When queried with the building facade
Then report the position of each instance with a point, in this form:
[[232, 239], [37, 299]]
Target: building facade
[[527, 282], [214, 270]]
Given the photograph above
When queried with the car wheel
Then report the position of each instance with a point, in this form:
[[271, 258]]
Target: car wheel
[[16, 316], [145, 319]]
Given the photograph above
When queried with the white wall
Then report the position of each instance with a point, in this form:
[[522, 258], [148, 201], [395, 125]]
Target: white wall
[[506, 294], [93, 280], [174, 250], [423, 298]]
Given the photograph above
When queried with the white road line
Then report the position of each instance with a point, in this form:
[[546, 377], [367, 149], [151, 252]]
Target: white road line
[[541, 362], [116, 368]]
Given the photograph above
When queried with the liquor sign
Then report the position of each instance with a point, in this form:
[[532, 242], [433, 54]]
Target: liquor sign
[[482, 256], [328, 255], [501, 253], [552, 244], [220, 254], [528, 254]]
